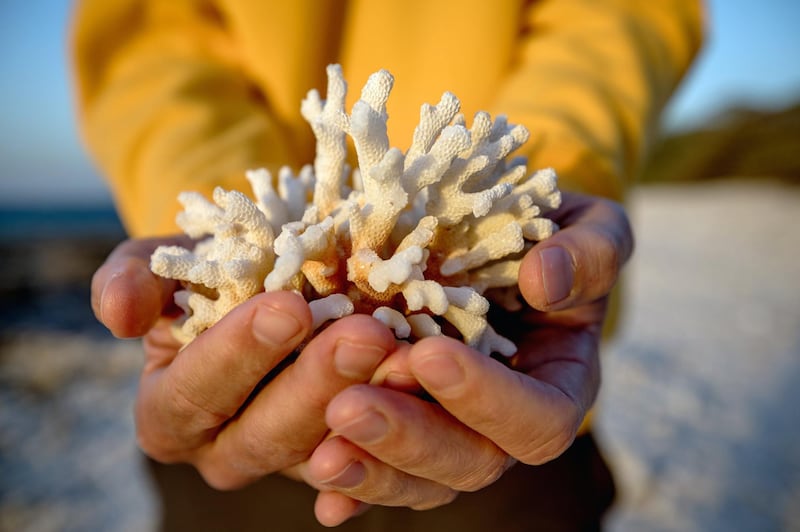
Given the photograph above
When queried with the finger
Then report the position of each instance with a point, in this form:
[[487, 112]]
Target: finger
[[416, 437], [581, 262], [333, 508], [181, 405], [286, 420], [394, 373], [338, 464], [160, 346], [564, 357], [126, 296], [531, 419]]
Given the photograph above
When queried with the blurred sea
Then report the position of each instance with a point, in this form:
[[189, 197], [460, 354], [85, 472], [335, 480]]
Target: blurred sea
[[68, 457], [47, 257], [23, 223]]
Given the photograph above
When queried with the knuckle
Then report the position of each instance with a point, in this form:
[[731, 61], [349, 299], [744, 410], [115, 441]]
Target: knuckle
[[167, 433], [259, 452], [251, 446], [620, 240], [152, 443], [611, 251], [554, 448], [558, 439], [476, 478], [427, 502], [599, 265], [149, 447], [611, 207], [223, 470], [158, 448], [194, 413], [218, 478]]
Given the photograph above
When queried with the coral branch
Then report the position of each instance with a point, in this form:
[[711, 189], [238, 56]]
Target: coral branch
[[394, 320], [331, 307], [414, 239]]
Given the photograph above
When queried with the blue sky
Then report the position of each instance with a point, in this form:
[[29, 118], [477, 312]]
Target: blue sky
[[750, 58]]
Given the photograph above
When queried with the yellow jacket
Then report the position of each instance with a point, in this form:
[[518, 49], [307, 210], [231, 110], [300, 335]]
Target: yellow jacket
[[185, 95]]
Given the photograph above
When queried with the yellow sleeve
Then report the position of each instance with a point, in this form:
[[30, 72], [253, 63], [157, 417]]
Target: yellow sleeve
[[164, 106], [591, 80]]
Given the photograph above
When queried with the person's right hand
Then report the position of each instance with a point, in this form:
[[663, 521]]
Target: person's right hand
[[197, 404]]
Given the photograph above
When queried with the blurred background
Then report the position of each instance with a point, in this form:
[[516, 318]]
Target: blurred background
[[699, 409]]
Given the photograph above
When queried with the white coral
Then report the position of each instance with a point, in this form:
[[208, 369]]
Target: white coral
[[414, 239]]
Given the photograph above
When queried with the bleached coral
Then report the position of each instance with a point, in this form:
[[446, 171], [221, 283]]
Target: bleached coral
[[416, 239]]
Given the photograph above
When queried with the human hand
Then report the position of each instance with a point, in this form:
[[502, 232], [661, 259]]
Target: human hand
[[198, 405], [397, 449]]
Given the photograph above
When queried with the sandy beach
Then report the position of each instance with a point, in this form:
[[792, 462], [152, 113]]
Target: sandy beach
[[699, 412], [699, 406]]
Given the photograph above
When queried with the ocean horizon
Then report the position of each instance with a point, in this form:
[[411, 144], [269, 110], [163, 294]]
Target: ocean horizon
[[59, 221]]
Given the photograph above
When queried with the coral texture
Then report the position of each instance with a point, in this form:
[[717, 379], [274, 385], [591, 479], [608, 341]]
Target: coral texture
[[417, 239]]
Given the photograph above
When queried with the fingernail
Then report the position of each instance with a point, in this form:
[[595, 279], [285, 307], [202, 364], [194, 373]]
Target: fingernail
[[350, 477], [367, 428], [357, 361], [121, 269], [557, 273], [99, 303], [273, 327], [439, 372]]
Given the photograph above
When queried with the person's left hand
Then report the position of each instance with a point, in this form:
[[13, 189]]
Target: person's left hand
[[394, 448]]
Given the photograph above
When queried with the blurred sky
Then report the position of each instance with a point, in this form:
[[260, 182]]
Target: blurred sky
[[750, 58]]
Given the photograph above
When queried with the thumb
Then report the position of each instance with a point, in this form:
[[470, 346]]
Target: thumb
[[581, 262]]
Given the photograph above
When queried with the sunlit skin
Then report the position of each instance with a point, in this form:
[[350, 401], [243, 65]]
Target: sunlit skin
[[349, 416]]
